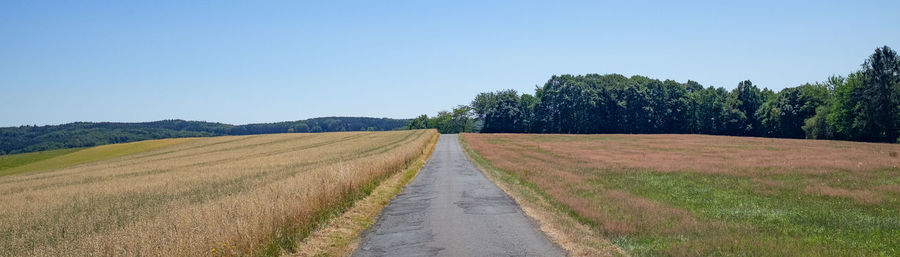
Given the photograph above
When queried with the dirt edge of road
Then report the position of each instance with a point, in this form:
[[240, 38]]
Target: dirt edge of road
[[575, 238], [340, 236]]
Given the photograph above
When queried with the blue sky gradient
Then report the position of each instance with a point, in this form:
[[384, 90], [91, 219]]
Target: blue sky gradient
[[265, 61]]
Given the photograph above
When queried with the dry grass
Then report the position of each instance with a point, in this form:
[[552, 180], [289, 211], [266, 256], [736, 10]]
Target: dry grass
[[689, 195], [340, 236], [711, 154], [861, 196], [219, 196], [575, 238]]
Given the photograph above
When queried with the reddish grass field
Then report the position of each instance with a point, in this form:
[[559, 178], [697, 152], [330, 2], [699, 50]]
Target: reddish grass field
[[696, 195]]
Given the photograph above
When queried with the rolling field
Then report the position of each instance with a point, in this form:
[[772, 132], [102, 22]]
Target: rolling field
[[221, 196], [54, 159], [9, 164], [694, 195]]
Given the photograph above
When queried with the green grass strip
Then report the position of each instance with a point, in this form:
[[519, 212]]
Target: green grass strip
[[55, 159], [8, 162]]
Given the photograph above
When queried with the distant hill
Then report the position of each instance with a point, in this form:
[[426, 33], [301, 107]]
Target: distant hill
[[25, 139]]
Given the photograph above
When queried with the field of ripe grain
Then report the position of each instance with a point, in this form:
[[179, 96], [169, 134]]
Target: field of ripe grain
[[221, 196], [695, 195]]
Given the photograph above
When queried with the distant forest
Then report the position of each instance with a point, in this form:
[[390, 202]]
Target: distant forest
[[863, 106], [24, 139]]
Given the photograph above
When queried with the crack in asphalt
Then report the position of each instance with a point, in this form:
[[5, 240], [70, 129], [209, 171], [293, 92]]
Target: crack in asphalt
[[451, 209]]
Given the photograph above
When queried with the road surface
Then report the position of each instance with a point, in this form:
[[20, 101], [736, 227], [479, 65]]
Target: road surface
[[451, 209]]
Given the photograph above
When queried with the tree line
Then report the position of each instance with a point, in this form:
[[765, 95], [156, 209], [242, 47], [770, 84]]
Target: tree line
[[24, 139], [862, 106], [457, 120]]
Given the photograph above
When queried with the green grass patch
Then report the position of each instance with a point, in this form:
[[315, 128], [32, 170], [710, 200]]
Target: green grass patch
[[786, 217], [15, 160], [55, 159]]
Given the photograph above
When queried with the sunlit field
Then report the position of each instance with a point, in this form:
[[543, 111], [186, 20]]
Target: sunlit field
[[221, 196], [694, 195], [54, 159]]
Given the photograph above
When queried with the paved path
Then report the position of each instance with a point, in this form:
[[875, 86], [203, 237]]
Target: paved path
[[451, 209]]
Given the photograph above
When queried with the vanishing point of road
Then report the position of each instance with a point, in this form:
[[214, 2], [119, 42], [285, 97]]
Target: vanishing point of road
[[452, 209]]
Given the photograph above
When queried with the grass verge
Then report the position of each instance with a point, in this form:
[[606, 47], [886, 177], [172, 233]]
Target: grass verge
[[337, 234], [564, 227]]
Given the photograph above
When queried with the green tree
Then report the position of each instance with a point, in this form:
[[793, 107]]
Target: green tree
[[528, 105], [420, 122], [785, 114], [864, 106], [504, 114], [460, 120], [880, 97], [741, 107], [706, 111]]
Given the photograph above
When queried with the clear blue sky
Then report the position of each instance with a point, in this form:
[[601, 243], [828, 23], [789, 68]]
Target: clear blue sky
[[264, 61]]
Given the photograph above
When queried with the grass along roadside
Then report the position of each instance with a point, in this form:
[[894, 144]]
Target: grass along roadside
[[340, 236], [290, 239], [562, 225]]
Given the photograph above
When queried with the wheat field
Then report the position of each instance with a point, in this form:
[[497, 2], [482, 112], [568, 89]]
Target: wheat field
[[220, 196]]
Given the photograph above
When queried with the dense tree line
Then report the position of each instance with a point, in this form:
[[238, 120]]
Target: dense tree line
[[448, 122], [863, 106], [83, 134]]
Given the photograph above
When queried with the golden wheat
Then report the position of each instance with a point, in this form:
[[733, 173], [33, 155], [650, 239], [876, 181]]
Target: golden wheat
[[212, 196]]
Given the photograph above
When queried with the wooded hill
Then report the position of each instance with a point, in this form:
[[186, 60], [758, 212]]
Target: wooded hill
[[24, 139]]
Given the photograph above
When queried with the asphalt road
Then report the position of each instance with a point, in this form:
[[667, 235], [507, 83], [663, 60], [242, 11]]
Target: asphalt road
[[451, 209]]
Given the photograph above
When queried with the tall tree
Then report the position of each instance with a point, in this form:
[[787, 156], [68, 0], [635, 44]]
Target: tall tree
[[420, 122], [880, 97], [706, 111], [785, 114], [743, 103], [527, 106], [501, 111]]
